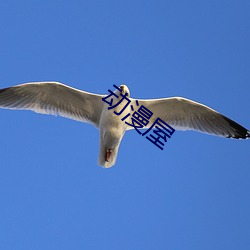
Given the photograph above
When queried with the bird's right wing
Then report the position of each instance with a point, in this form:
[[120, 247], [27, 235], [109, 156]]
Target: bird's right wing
[[55, 99]]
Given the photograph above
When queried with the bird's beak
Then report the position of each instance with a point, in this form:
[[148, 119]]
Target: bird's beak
[[122, 88]]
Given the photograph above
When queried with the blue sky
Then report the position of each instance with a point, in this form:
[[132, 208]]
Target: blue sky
[[193, 195]]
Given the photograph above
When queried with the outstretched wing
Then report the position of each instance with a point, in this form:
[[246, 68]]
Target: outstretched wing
[[185, 114], [55, 99]]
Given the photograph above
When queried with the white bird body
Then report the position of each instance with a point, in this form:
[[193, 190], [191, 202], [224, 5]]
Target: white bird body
[[58, 99], [112, 130]]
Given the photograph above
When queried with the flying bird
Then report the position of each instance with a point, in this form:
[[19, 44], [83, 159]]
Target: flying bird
[[55, 98]]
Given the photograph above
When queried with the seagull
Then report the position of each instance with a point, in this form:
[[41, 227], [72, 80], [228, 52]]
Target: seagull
[[55, 98]]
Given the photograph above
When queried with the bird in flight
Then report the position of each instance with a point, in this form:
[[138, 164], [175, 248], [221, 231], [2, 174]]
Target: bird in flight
[[55, 98]]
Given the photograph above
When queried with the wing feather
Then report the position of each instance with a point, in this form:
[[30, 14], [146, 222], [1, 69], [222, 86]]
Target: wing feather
[[185, 114], [55, 99]]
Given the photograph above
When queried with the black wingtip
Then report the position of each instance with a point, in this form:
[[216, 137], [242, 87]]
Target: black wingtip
[[239, 131], [248, 134], [3, 90]]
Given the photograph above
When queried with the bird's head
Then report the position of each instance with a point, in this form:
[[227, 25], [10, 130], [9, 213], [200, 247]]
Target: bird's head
[[125, 89]]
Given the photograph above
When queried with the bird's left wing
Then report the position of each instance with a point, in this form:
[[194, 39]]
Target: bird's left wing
[[54, 98], [185, 114]]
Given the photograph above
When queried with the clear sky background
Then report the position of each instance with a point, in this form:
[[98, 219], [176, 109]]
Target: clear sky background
[[193, 195]]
